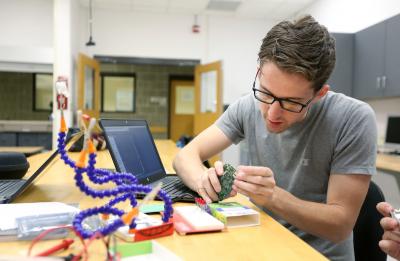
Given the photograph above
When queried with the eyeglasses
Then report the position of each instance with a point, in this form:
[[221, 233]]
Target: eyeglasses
[[285, 104]]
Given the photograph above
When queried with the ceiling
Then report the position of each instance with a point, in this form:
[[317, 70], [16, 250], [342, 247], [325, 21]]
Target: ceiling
[[255, 9]]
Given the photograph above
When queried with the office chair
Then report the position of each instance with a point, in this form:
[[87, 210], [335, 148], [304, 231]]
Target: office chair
[[367, 231]]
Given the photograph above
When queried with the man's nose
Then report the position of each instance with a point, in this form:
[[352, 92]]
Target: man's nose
[[275, 110]]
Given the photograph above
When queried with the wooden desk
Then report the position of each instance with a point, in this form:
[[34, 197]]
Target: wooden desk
[[28, 151], [269, 241], [388, 162]]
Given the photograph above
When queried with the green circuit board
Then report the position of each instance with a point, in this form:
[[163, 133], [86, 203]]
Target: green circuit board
[[226, 181]]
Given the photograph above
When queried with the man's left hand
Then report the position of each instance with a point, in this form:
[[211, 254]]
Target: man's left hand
[[258, 183]]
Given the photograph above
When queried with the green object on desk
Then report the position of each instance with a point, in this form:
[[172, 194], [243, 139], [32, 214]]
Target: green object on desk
[[152, 208], [135, 249]]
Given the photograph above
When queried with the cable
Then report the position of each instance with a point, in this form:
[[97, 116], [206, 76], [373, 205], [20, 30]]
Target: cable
[[46, 232]]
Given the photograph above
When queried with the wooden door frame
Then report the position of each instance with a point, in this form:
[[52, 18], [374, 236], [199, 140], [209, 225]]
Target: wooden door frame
[[214, 66], [175, 78], [83, 61]]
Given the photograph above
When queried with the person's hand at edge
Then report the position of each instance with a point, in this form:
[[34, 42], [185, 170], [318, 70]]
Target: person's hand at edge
[[390, 243]]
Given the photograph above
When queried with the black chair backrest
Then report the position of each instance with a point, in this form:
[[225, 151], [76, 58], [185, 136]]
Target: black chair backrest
[[367, 232]]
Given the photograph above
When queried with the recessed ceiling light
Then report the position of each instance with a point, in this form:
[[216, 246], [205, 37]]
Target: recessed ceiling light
[[223, 5]]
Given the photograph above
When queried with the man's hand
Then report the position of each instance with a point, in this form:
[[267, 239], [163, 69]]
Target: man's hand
[[390, 243], [258, 183], [208, 184]]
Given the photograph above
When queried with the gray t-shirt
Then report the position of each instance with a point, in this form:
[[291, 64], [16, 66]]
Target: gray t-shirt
[[338, 136]]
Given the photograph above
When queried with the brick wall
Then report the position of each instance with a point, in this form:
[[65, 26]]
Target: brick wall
[[152, 88], [16, 97]]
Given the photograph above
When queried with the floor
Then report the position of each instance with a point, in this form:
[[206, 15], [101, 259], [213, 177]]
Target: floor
[[390, 189]]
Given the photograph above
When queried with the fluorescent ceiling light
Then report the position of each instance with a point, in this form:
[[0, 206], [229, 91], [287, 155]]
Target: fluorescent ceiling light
[[223, 5]]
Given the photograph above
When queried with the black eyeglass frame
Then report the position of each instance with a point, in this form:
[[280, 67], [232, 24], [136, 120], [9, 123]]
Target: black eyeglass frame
[[303, 105]]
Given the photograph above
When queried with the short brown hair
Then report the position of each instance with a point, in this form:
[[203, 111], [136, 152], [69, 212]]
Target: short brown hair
[[304, 47]]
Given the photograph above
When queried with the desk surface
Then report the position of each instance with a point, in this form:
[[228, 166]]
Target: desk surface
[[269, 241], [30, 150], [388, 162]]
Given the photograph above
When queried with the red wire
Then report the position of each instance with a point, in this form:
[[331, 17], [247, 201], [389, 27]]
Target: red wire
[[84, 251], [44, 233], [64, 245], [86, 245]]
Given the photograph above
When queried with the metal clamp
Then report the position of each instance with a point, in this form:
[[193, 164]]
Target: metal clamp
[[395, 213]]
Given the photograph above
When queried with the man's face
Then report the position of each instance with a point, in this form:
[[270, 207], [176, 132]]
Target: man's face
[[291, 86]]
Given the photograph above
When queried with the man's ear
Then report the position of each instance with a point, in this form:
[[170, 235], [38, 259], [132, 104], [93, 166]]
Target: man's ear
[[322, 92]]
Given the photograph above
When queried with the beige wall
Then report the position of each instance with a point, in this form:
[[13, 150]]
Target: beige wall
[[384, 108]]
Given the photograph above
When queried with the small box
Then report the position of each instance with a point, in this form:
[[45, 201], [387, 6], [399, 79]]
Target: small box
[[233, 214]]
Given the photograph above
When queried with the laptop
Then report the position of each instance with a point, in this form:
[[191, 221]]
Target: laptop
[[12, 188], [133, 150]]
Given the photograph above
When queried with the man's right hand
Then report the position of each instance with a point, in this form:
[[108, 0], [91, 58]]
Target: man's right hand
[[208, 184], [390, 243]]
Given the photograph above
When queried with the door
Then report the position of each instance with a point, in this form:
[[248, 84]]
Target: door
[[208, 96], [88, 86], [182, 109]]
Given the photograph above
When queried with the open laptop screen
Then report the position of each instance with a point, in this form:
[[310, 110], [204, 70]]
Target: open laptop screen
[[132, 149]]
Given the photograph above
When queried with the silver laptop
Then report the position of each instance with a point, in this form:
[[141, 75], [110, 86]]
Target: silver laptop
[[12, 188]]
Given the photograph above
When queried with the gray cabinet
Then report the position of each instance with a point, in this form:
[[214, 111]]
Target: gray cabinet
[[369, 61], [377, 60], [8, 139], [341, 79], [392, 57], [12, 139], [27, 139], [45, 140], [34, 139]]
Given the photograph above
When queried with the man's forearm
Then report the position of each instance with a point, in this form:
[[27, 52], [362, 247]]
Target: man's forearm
[[189, 162], [188, 167], [327, 221]]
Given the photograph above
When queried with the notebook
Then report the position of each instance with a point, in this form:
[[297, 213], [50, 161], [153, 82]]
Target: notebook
[[12, 188], [133, 150]]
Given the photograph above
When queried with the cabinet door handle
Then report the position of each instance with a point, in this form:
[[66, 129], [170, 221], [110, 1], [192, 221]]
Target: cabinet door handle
[[378, 82], [384, 81]]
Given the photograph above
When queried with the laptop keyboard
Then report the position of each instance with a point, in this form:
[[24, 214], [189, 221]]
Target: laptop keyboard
[[174, 185], [9, 187], [177, 190]]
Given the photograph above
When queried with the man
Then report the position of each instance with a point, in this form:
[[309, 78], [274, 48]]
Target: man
[[311, 151], [390, 243]]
